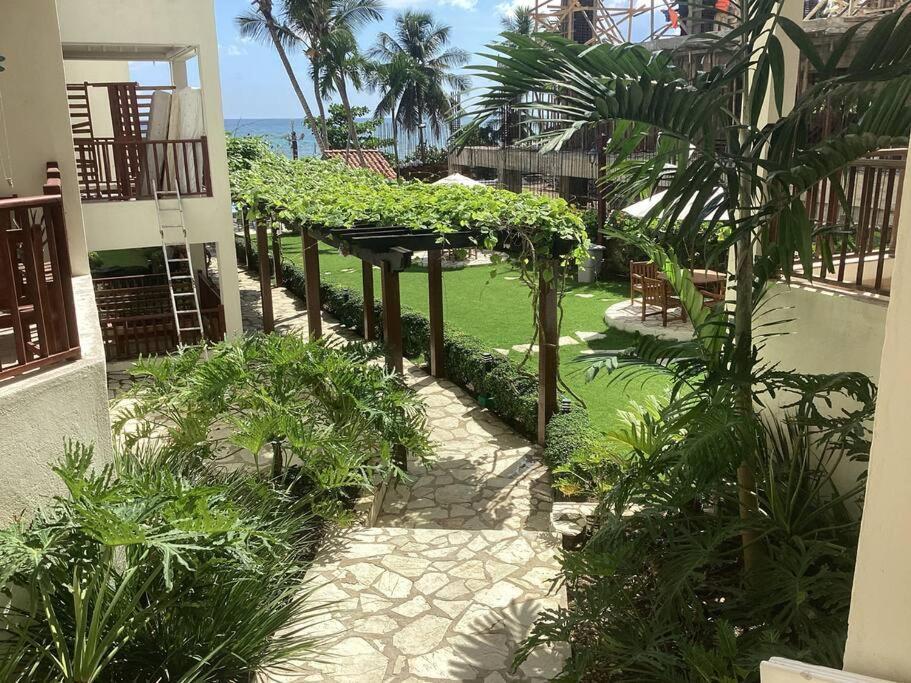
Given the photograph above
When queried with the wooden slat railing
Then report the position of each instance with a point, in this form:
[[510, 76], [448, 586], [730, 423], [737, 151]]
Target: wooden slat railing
[[856, 248], [137, 317], [120, 170], [37, 311]]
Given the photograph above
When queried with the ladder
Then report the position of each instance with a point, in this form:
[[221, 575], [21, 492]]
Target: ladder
[[178, 264]]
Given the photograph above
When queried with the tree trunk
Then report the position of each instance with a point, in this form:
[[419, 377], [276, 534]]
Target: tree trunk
[[352, 129], [422, 147], [743, 367], [321, 108], [265, 8], [395, 144]]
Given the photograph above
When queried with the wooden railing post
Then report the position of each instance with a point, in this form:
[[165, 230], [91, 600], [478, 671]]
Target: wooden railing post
[[265, 282], [310, 246], [369, 307], [248, 242], [435, 293], [548, 341]]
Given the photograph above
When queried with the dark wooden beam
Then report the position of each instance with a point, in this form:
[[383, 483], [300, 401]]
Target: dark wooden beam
[[277, 252], [265, 281], [548, 346], [435, 292], [310, 247], [369, 308], [392, 319], [248, 241]]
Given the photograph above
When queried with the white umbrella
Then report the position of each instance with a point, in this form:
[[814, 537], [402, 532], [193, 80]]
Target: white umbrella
[[456, 179], [642, 208]]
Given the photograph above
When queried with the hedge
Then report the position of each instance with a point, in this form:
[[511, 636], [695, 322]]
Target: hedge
[[469, 363]]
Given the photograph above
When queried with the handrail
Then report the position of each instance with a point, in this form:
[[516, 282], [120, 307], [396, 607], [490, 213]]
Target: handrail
[[37, 308]]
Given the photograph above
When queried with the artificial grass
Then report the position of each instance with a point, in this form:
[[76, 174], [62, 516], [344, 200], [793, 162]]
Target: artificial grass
[[492, 304]]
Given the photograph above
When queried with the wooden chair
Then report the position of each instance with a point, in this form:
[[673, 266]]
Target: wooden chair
[[658, 294], [637, 271]]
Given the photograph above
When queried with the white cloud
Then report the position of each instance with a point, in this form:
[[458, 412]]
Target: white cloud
[[461, 4], [507, 7], [236, 48]]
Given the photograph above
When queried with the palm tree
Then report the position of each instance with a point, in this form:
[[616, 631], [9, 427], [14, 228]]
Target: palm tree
[[343, 62], [390, 79], [423, 99], [326, 30], [260, 24], [518, 20], [761, 164]]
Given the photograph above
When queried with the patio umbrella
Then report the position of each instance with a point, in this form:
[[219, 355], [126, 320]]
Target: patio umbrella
[[642, 208], [456, 179]]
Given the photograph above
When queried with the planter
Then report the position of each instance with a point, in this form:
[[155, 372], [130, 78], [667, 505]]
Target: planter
[[589, 270]]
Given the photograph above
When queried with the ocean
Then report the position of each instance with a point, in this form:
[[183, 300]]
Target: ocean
[[278, 133]]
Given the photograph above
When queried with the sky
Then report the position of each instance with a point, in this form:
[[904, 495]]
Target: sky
[[254, 84]]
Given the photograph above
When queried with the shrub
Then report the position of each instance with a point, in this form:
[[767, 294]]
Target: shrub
[[164, 569], [582, 460]]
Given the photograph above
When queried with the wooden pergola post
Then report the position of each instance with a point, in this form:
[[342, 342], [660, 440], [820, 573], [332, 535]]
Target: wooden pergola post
[[276, 251], [548, 346], [248, 241], [392, 318], [369, 308], [265, 281], [435, 293], [310, 249]]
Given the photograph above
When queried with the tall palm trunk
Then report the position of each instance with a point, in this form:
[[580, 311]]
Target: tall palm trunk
[[352, 129], [422, 146], [265, 8], [320, 106], [395, 143]]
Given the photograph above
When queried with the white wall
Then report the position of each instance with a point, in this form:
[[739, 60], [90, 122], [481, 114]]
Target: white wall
[[38, 412], [181, 23], [879, 626], [36, 117]]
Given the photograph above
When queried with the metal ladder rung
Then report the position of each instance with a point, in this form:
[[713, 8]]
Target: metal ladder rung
[[190, 329], [178, 260], [183, 293]]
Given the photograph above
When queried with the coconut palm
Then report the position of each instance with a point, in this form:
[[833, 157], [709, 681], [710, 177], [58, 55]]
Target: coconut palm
[[260, 24], [424, 98], [518, 20], [326, 29], [761, 163], [343, 62], [389, 80]]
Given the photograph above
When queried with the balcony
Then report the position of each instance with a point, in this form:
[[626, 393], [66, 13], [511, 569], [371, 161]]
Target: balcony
[[148, 138], [37, 311], [855, 249]]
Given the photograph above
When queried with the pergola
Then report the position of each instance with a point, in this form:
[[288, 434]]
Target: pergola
[[390, 248]]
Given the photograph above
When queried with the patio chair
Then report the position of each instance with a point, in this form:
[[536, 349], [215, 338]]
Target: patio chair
[[658, 294], [637, 271]]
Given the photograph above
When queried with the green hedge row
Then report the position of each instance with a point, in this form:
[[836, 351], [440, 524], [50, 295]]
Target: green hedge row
[[471, 365]]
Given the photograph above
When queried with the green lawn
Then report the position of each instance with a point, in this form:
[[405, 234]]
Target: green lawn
[[497, 310]]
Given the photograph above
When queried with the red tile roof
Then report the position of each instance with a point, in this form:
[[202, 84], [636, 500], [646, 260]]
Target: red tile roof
[[373, 159]]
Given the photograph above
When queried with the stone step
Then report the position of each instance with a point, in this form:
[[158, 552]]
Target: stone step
[[431, 604]]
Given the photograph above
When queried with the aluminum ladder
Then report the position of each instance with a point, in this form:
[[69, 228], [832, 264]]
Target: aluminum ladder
[[173, 231]]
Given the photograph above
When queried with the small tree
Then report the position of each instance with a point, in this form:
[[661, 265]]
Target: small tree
[[762, 167], [339, 135]]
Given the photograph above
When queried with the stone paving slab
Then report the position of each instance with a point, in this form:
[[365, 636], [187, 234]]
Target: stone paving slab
[[431, 605]]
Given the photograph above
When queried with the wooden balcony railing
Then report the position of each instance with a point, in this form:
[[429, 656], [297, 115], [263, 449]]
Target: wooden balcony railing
[[856, 248], [120, 170], [37, 311], [137, 316]]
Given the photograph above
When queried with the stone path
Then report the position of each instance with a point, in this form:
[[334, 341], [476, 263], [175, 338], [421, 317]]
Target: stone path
[[460, 562]]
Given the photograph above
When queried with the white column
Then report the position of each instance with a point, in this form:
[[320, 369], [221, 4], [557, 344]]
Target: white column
[[879, 627], [229, 286]]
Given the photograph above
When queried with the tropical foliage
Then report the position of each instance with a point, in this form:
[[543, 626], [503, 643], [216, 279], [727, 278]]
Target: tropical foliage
[[327, 193], [331, 415], [365, 129], [159, 568], [730, 532]]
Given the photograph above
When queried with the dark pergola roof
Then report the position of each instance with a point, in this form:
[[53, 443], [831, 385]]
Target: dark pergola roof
[[395, 245]]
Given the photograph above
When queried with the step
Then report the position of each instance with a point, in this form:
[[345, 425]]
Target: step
[[432, 604]]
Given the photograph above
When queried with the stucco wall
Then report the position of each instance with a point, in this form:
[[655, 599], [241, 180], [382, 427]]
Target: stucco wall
[[38, 412], [879, 626], [779, 670], [178, 23], [36, 118]]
